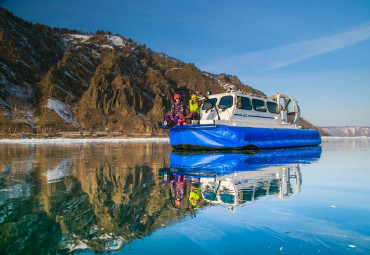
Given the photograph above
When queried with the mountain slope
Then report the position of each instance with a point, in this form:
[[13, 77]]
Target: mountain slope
[[347, 131], [53, 80]]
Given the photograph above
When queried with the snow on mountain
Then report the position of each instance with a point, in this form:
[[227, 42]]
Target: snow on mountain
[[116, 40], [61, 109], [105, 46], [111, 39], [77, 38], [347, 131]]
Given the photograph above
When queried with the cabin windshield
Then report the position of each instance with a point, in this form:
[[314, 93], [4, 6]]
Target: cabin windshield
[[225, 102], [209, 104]]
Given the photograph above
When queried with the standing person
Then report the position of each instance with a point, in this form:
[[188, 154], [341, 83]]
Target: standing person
[[194, 108], [177, 114]]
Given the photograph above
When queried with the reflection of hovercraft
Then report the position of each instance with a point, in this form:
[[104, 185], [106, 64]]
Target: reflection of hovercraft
[[238, 188], [228, 162], [235, 178]]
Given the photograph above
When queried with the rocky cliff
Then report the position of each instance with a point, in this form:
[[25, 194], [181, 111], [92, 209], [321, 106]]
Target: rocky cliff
[[54, 80]]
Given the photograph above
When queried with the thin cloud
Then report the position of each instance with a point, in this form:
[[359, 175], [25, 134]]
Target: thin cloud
[[286, 55]]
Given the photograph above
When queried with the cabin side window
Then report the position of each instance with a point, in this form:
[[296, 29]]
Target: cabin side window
[[243, 103], [209, 104], [259, 105], [272, 107], [225, 102]]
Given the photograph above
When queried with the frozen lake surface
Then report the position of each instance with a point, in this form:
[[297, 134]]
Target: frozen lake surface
[[139, 197]]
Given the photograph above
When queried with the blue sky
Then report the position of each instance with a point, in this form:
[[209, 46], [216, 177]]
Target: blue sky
[[317, 51]]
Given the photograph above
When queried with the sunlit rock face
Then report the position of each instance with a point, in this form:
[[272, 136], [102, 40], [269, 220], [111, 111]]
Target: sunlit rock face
[[55, 80]]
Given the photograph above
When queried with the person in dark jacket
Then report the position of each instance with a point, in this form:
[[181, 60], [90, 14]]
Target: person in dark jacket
[[177, 114]]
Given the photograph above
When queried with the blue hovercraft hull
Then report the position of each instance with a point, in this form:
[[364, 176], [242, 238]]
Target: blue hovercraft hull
[[230, 137]]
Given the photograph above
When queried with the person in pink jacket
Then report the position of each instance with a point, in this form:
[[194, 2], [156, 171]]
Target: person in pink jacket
[[177, 114]]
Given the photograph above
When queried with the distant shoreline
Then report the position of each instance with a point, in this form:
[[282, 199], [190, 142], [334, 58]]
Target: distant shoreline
[[344, 137], [116, 140], [83, 140]]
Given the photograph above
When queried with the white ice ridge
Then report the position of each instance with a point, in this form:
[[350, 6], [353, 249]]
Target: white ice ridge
[[79, 141]]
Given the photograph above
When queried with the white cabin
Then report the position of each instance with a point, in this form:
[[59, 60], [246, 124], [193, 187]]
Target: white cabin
[[236, 108]]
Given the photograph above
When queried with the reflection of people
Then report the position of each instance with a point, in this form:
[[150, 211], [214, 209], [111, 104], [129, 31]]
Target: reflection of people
[[195, 194], [177, 114], [194, 108], [185, 192], [177, 186]]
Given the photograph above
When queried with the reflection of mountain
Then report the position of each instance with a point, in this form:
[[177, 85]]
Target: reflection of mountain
[[59, 172], [56, 199], [82, 196], [235, 178]]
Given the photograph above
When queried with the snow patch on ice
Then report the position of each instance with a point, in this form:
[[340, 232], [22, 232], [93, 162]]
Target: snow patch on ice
[[61, 109], [59, 172]]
